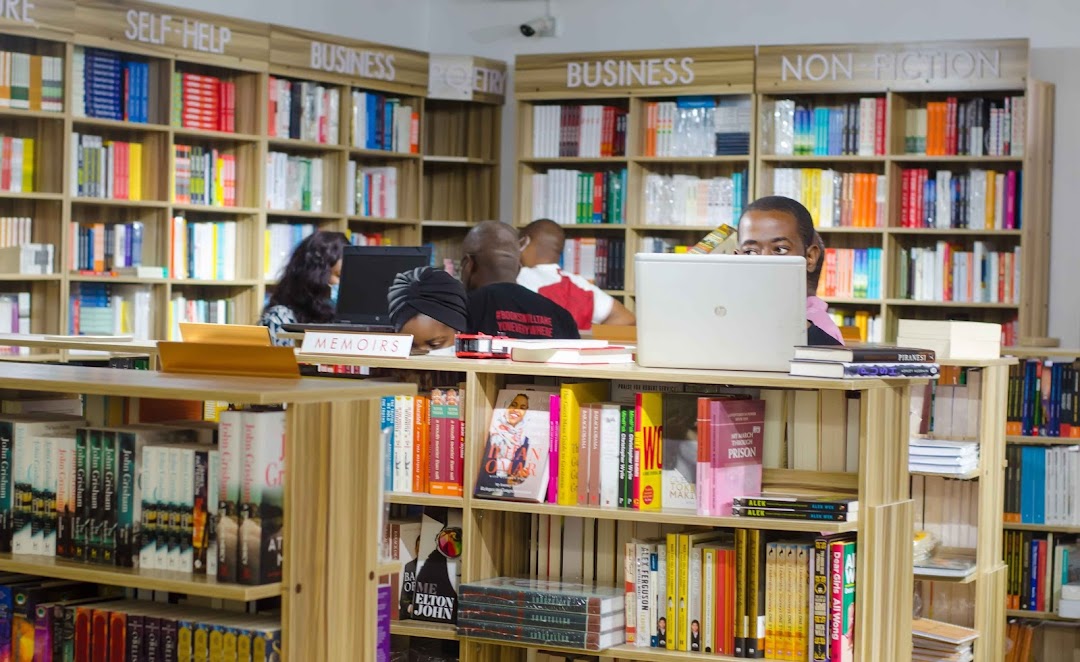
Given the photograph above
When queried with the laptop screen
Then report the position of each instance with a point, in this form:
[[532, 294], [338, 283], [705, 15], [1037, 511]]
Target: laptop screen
[[366, 275]]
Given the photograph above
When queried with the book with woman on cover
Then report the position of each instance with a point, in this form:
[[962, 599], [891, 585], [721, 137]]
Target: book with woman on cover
[[515, 461]]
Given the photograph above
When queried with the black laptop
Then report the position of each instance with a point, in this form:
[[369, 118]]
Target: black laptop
[[366, 275]]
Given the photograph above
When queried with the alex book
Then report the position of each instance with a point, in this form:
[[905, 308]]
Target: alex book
[[438, 567], [827, 504], [545, 595], [850, 370], [865, 353], [515, 463]]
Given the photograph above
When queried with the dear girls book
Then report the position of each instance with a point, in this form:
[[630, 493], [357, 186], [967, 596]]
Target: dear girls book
[[516, 461]]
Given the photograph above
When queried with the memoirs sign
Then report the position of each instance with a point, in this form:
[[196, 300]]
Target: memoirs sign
[[976, 65], [357, 344]]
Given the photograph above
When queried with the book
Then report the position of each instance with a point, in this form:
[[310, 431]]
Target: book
[[515, 460], [679, 476], [735, 450], [841, 370], [807, 503], [842, 585], [572, 197], [262, 493], [865, 353], [588, 130], [438, 568], [676, 200], [793, 514], [648, 451]]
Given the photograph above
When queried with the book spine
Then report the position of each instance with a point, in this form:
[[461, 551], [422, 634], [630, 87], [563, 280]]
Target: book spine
[[108, 498], [630, 586]]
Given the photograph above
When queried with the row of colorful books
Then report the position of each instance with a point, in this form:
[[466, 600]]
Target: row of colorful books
[[698, 126], [692, 200], [203, 176], [15, 318], [423, 440], [294, 183], [303, 110], [371, 191], [384, 123], [947, 272], [205, 311], [204, 102], [16, 231], [31, 82], [799, 128], [370, 239], [107, 169], [979, 199], [851, 273], [107, 309], [17, 164], [946, 510], [110, 85], [978, 126], [870, 325], [279, 240], [1042, 484], [105, 247], [835, 199], [428, 543], [204, 250], [1044, 399], [859, 361], [1039, 565], [744, 594], [572, 197], [578, 131], [599, 260]]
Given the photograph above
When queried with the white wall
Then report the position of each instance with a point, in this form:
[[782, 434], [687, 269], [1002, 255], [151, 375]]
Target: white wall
[[489, 27], [398, 22]]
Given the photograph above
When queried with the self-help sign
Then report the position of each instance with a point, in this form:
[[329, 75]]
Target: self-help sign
[[178, 31]]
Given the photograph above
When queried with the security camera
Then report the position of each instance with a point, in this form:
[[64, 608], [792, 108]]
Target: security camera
[[539, 27]]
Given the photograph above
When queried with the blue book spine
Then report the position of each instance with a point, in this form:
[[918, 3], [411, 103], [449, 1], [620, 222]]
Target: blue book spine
[[1034, 597], [7, 608], [373, 102], [136, 236], [388, 124], [220, 249], [144, 91], [622, 196], [387, 440], [1040, 486], [191, 250]]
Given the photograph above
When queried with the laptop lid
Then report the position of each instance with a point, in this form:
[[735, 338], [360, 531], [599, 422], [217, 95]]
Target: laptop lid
[[366, 275], [726, 312]]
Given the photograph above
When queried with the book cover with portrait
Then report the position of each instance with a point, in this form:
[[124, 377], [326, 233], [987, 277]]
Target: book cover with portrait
[[438, 567], [516, 462]]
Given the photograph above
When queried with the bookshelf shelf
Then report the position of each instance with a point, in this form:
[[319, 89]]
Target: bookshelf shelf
[[379, 220], [575, 160], [157, 580], [216, 209], [319, 215], [96, 123], [32, 195], [206, 134], [18, 113], [691, 160], [193, 282], [618, 293], [112, 202], [297, 145], [382, 154], [951, 304], [132, 280], [1038, 615], [672, 228], [809, 158], [30, 277], [853, 301], [424, 500], [974, 160], [1042, 441], [966, 579], [664, 517], [1043, 528], [425, 630], [974, 474], [448, 224], [458, 160], [576, 227], [958, 232]]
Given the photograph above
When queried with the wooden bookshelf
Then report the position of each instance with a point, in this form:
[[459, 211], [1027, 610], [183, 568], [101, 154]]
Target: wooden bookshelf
[[828, 75], [496, 532], [462, 145], [557, 79], [328, 586]]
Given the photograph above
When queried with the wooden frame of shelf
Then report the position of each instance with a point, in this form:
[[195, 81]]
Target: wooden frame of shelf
[[882, 484], [327, 587]]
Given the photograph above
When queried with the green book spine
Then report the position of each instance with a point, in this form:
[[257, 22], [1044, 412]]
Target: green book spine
[[95, 521]]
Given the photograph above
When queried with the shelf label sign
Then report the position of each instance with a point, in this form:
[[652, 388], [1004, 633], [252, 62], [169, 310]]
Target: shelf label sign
[[191, 34], [348, 61], [963, 64], [652, 72], [17, 10], [461, 77], [387, 345]]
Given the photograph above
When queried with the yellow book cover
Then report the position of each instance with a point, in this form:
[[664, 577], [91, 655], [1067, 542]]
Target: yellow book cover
[[135, 172], [649, 451], [771, 611], [686, 541], [672, 588], [266, 252], [741, 625], [219, 181], [755, 561], [802, 582], [709, 565], [28, 165], [988, 206], [784, 603], [571, 397]]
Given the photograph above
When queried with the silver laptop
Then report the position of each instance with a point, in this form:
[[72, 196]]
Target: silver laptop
[[724, 312]]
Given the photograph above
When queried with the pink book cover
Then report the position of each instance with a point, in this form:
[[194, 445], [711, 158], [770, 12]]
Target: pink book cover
[[736, 437], [584, 454], [595, 414], [1010, 200], [553, 450]]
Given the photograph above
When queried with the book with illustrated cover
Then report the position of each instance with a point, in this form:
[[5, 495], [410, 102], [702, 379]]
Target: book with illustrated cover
[[736, 437], [515, 460], [648, 451], [842, 599], [262, 493], [438, 567], [231, 452], [679, 470]]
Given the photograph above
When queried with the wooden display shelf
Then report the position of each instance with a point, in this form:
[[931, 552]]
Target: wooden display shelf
[[363, 152], [296, 144], [154, 580], [1042, 441], [132, 280], [575, 160], [851, 230], [113, 202], [814, 158], [1038, 615], [951, 304], [852, 301], [318, 215], [216, 209], [958, 232], [205, 134], [966, 579], [923, 158], [238, 282], [693, 160], [30, 195], [71, 345], [382, 220], [673, 228], [426, 630], [458, 160], [421, 499], [30, 277], [1040, 528], [448, 224], [32, 114], [974, 474], [685, 518], [97, 123]]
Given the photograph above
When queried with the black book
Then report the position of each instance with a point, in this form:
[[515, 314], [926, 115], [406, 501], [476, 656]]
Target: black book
[[865, 353]]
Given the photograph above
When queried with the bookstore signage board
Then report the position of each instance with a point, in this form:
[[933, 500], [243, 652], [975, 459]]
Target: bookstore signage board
[[386, 345], [946, 65], [466, 78], [664, 72], [35, 15], [172, 31], [349, 62]]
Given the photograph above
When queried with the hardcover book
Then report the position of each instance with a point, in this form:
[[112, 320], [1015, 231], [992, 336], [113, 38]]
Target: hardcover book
[[515, 461], [438, 567], [680, 435], [648, 451], [736, 435], [262, 497]]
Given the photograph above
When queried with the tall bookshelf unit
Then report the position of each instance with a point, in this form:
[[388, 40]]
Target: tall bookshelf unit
[[629, 81], [461, 146], [449, 179], [499, 535], [907, 76], [326, 593]]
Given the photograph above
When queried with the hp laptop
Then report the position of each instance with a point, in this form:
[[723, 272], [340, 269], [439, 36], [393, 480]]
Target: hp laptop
[[366, 275], [725, 312]]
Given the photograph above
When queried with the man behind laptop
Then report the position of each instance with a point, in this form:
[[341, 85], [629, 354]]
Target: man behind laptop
[[497, 304], [543, 242]]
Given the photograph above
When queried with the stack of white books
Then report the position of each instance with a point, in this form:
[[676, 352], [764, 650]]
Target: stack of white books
[[942, 457], [934, 641]]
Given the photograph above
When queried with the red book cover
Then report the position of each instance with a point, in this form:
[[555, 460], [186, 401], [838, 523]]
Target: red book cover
[[126, 94], [1010, 201], [564, 130], [905, 202], [5, 173], [419, 443], [879, 128], [920, 193], [272, 94], [1002, 275], [607, 132], [99, 636], [598, 198], [704, 460], [575, 131], [83, 633], [950, 126], [736, 438], [117, 636], [443, 477], [414, 133]]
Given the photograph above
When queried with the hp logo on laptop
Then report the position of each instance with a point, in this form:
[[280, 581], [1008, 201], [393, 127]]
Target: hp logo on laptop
[[720, 311]]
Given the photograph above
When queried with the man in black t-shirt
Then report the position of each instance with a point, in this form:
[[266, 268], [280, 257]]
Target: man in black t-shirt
[[497, 304]]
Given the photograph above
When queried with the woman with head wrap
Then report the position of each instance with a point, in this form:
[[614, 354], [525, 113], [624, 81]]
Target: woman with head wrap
[[428, 304]]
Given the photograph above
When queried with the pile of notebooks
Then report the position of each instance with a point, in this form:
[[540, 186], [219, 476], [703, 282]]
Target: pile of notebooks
[[546, 613], [1069, 603], [934, 641], [865, 361], [946, 458]]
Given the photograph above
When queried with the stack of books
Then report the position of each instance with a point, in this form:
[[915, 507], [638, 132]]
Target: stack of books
[[975, 127], [547, 613], [294, 183], [111, 86], [934, 641], [17, 164], [423, 439], [106, 168], [580, 131], [834, 198], [371, 191], [574, 197], [854, 128], [864, 361], [775, 506], [946, 458], [99, 247], [204, 250], [203, 102], [302, 110], [203, 176], [692, 200], [383, 123], [32, 82]]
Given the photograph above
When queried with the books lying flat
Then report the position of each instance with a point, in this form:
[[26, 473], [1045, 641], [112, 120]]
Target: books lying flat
[[546, 595], [934, 641], [792, 514], [865, 353], [828, 504], [947, 458], [842, 370], [545, 636], [956, 564], [562, 620], [574, 355]]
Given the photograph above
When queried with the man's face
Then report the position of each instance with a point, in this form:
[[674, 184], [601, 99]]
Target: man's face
[[774, 233]]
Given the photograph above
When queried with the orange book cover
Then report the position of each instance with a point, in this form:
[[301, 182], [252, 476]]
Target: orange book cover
[[650, 129], [421, 404]]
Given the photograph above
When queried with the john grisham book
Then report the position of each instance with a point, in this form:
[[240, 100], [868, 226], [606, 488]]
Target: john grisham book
[[262, 496]]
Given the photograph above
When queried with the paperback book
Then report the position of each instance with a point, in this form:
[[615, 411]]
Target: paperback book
[[515, 460]]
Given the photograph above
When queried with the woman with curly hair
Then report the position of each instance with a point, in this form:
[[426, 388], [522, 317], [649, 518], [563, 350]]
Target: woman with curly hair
[[306, 293]]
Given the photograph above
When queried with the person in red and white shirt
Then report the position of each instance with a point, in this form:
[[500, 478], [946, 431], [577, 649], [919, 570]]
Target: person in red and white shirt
[[542, 247]]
